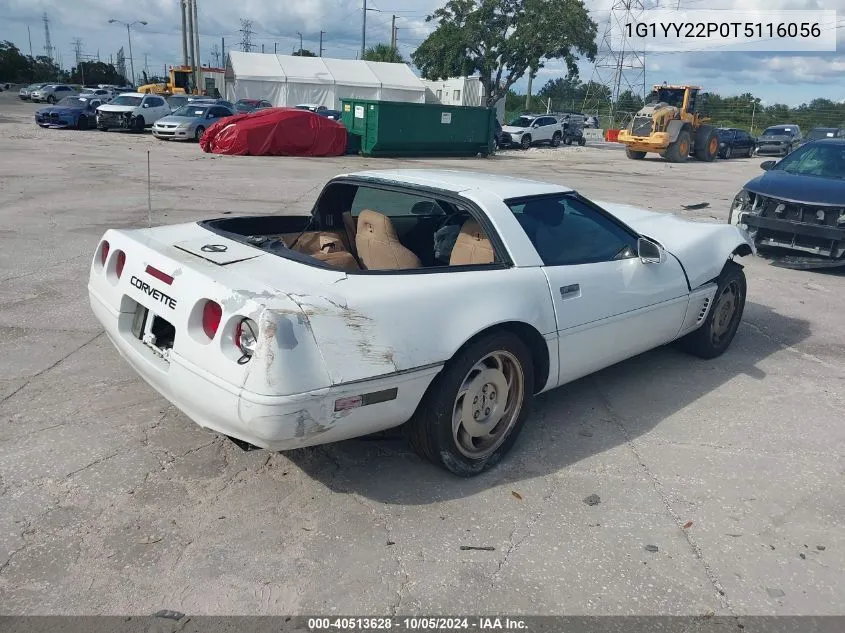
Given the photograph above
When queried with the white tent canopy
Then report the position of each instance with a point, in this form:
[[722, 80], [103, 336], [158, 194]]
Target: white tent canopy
[[288, 80]]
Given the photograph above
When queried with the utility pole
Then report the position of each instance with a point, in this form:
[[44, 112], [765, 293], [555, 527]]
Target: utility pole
[[275, 48], [262, 49], [300, 42], [528, 92], [363, 31], [146, 65], [321, 42], [393, 33], [223, 49], [29, 34]]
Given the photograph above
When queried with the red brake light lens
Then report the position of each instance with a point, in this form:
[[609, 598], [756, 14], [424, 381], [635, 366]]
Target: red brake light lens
[[211, 315], [104, 252], [121, 262]]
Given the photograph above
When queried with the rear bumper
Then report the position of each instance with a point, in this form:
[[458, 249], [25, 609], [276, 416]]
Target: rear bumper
[[268, 421]]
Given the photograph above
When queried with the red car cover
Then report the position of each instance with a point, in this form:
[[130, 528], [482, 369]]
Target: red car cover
[[276, 132]]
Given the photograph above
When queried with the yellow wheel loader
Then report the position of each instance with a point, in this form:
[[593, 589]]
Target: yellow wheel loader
[[180, 83], [671, 125]]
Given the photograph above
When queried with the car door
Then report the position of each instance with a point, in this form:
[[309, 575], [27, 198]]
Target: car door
[[609, 304], [547, 128]]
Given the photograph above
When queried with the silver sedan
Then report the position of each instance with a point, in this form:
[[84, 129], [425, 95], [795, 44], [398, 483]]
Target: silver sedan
[[189, 122]]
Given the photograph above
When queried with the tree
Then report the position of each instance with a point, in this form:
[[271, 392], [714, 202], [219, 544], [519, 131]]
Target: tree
[[628, 102], [303, 52], [13, 65], [567, 88], [97, 73], [504, 39], [383, 53]]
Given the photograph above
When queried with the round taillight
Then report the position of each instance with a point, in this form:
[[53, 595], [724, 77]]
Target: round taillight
[[121, 262], [246, 337], [104, 252], [211, 314]]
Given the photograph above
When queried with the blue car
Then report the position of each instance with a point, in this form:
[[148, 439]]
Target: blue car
[[74, 112]]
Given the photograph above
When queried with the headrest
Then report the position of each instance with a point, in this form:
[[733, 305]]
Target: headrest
[[377, 225]]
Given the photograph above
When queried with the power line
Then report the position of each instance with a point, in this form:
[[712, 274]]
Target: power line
[[246, 35]]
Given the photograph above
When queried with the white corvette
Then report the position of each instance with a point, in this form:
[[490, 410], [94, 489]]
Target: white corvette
[[440, 299]]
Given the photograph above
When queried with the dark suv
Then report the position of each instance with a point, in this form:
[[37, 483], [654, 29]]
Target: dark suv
[[779, 140]]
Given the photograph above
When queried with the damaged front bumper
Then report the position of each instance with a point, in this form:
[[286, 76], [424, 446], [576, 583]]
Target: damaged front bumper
[[802, 235], [120, 120]]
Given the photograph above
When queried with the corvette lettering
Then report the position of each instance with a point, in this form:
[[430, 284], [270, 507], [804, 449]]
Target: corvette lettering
[[156, 294]]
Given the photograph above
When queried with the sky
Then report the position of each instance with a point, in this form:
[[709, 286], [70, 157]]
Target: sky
[[775, 78]]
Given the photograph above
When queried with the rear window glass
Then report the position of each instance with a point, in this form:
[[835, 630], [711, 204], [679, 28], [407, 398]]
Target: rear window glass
[[393, 203]]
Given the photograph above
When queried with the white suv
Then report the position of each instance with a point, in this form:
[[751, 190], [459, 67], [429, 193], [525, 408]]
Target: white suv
[[132, 111], [529, 129]]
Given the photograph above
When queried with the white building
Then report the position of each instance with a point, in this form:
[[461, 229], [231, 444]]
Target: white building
[[460, 91], [289, 80]]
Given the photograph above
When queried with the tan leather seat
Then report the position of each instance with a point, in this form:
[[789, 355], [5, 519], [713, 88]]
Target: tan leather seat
[[349, 225], [378, 245], [472, 246]]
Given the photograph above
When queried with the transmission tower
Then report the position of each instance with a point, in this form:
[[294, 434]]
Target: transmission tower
[[619, 67], [48, 47], [246, 35], [120, 65], [77, 49]]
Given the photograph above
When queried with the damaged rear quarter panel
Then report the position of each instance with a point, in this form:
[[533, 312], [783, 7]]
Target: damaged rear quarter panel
[[372, 325]]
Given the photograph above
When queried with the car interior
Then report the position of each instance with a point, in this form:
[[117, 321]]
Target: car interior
[[368, 228]]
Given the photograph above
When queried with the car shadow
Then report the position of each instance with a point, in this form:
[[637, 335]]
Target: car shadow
[[567, 425]]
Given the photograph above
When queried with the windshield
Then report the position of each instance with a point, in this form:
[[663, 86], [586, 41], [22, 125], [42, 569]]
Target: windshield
[[190, 111], [822, 132], [522, 121], [665, 95], [778, 131], [74, 102], [126, 101], [825, 160]]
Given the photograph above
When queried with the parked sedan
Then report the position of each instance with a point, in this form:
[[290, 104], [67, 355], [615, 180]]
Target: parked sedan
[[735, 142], [243, 106], [77, 112], [796, 207], [189, 122], [26, 92], [51, 93]]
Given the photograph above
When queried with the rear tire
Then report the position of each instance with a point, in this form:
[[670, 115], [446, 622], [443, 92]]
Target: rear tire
[[582, 141], [714, 337], [468, 436], [707, 145], [634, 154], [678, 152]]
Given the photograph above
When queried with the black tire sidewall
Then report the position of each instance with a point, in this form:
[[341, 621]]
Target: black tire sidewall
[[523, 143], [440, 401], [701, 341], [728, 152], [556, 139], [79, 123], [198, 133]]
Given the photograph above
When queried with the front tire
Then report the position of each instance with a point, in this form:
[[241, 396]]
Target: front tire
[[717, 332], [556, 139], [634, 154], [82, 123], [474, 410], [198, 134], [728, 152], [139, 124], [525, 143], [678, 152], [51, 100]]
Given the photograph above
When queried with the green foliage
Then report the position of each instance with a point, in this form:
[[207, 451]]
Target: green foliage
[[383, 53], [14, 66], [304, 52], [503, 40], [98, 73]]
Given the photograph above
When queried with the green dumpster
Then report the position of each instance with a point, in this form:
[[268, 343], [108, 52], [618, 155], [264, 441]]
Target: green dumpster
[[395, 128]]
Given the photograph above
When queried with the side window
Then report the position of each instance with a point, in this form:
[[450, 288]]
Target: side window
[[393, 203], [218, 112], [456, 95], [566, 231]]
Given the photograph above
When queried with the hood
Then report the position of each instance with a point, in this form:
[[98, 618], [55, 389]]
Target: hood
[[798, 188], [701, 247], [176, 119], [510, 129], [775, 137], [108, 107]]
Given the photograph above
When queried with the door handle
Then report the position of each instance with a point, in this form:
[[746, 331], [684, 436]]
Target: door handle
[[571, 291]]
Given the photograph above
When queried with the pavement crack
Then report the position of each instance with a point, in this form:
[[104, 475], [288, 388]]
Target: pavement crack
[[94, 463], [513, 543], [51, 367], [657, 485]]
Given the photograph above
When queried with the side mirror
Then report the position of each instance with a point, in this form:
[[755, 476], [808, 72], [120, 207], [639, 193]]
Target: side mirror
[[650, 252], [767, 165], [535, 125]]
